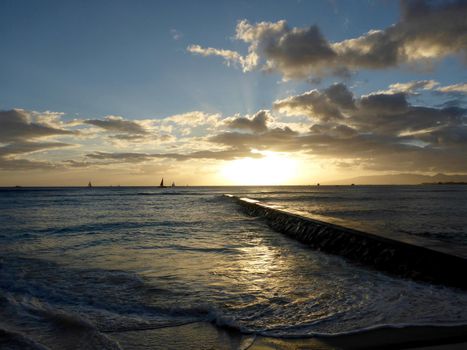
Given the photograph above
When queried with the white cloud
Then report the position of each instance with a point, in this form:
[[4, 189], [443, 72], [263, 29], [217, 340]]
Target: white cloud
[[411, 87], [456, 88], [176, 34]]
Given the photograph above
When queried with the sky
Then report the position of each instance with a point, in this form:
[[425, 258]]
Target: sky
[[230, 92]]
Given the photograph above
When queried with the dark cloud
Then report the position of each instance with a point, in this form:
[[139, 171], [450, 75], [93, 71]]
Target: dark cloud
[[121, 157], [10, 152], [13, 164], [327, 105], [71, 163], [17, 125], [447, 136], [29, 147], [314, 104], [409, 120], [273, 139], [379, 113], [295, 49], [118, 125], [258, 123], [340, 131], [341, 96], [381, 103], [426, 31], [227, 154], [19, 134]]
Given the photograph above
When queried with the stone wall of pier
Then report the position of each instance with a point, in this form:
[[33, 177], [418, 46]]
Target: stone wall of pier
[[393, 256]]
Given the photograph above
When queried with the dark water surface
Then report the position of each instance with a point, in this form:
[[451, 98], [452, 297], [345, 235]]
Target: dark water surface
[[108, 260]]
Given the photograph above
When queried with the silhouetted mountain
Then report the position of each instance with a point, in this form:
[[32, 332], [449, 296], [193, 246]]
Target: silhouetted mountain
[[400, 179]]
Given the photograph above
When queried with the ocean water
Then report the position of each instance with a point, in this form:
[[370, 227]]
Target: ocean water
[[105, 261]]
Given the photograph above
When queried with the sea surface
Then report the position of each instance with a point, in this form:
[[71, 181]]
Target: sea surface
[[105, 261]]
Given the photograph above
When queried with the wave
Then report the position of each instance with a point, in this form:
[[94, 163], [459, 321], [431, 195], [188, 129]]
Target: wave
[[96, 323], [77, 323], [450, 237], [223, 250], [48, 326], [173, 193], [104, 228], [300, 335], [18, 341]]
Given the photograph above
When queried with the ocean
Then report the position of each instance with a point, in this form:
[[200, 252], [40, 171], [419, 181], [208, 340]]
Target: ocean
[[98, 263]]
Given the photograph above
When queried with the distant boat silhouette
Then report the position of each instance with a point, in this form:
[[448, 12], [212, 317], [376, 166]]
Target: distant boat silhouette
[[173, 184], [89, 184], [162, 183]]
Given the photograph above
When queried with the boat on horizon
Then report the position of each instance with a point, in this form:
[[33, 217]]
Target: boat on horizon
[[173, 184], [162, 184], [89, 184]]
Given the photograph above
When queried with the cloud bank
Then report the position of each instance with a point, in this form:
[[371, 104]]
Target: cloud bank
[[380, 131]]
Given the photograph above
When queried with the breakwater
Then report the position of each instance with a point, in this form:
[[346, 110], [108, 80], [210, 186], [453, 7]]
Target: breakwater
[[423, 262]]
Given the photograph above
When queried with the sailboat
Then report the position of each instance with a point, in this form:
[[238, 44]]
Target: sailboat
[[89, 184], [173, 184], [162, 183]]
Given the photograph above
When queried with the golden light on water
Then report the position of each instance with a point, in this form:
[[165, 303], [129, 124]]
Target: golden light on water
[[273, 169]]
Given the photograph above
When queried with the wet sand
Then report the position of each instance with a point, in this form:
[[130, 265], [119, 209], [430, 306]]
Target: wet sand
[[205, 336]]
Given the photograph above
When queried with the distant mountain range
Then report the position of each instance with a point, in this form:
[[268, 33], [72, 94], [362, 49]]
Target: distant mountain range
[[400, 179]]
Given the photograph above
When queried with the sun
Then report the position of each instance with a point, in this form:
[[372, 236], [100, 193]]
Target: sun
[[272, 169]]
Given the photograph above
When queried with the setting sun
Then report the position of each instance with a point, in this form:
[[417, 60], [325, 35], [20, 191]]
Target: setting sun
[[272, 169]]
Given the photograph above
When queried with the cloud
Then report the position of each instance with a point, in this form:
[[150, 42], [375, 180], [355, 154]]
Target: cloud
[[456, 88], [341, 96], [378, 131], [20, 132], [121, 157], [118, 124], [381, 104], [230, 57], [377, 112], [17, 125], [426, 32], [284, 49], [176, 34], [327, 105], [193, 119], [276, 139], [29, 147], [227, 154], [124, 133], [257, 123], [411, 87], [10, 152], [24, 165]]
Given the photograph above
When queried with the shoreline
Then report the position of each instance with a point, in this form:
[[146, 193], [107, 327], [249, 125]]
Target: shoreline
[[204, 335]]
